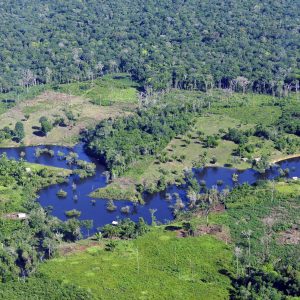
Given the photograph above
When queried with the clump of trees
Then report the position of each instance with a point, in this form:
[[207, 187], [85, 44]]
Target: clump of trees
[[290, 119], [19, 131], [17, 134], [277, 282], [40, 151], [73, 213], [61, 193], [110, 206], [46, 125], [125, 229], [84, 168], [26, 244], [120, 142]]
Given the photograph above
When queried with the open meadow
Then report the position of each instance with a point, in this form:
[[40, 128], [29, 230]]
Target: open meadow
[[79, 105], [158, 265]]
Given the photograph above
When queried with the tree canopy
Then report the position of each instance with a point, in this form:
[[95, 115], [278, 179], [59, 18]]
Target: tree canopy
[[185, 44]]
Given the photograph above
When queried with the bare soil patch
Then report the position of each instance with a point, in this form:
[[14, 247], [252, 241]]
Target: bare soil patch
[[218, 208], [275, 216], [290, 236], [67, 249], [218, 231]]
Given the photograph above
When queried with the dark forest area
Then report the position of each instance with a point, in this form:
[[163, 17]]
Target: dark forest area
[[244, 45]]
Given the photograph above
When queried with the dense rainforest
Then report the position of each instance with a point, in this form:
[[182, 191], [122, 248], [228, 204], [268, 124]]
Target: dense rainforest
[[173, 43]]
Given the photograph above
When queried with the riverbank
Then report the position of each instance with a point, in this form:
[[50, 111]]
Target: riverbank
[[239, 112], [13, 194], [285, 158]]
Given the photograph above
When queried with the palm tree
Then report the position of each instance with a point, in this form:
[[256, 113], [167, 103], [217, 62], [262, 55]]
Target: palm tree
[[247, 234], [237, 253]]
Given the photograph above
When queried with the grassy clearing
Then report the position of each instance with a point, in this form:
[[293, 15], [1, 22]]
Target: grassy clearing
[[290, 188], [118, 94], [227, 111], [110, 89], [9, 100], [156, 266], [248, 108], [37, 167]]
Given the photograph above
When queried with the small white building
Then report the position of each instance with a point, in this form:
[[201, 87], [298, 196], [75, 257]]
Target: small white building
[[114, 222], [295, 178], [21, 216]]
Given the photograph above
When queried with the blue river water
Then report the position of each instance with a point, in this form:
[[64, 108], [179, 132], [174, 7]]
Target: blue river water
[[96, 210]]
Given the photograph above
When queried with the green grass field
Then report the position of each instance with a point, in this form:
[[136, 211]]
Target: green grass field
[[116, 88], [291, 188], [157, 265]]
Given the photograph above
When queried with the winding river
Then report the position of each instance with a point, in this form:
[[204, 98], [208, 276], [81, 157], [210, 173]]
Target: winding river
[[97, 211]]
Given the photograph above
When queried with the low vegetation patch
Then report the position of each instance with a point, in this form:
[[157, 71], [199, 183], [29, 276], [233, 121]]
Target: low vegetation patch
[[57, 114], [145, 267]]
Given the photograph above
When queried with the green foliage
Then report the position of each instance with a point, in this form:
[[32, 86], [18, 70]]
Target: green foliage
[[19, 131], [188, 45], [61, 193], [84, 168], [211, 141], [42, 288], [157, 264], [123, 141], [268, 283], [110, 206], [73, 213], [290, 119], [70, 116], [6, 134], [26, 242], [46, 126], [125, 229], [236, 136]]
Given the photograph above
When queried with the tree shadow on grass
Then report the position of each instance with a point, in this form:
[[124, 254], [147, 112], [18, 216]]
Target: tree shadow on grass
[[173, 228], [39, 133]]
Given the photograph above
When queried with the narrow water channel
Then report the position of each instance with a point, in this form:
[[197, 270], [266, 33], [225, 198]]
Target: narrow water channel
[[97, 211]]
